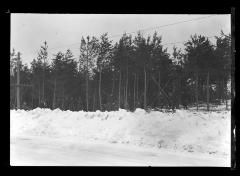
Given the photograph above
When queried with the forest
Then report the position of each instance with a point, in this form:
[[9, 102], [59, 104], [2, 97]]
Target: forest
[[135, 72]]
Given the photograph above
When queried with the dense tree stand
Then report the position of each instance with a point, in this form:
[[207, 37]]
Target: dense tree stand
[[135, 72]]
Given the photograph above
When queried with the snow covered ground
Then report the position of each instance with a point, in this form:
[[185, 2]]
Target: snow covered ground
[[184, 138]]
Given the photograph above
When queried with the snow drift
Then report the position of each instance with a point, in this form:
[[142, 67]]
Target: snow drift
[[185, 131]]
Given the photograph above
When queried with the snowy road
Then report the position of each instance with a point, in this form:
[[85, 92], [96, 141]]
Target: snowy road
[[46, 151]]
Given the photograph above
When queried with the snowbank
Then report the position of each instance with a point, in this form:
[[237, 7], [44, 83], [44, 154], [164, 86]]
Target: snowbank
[[204, 132]]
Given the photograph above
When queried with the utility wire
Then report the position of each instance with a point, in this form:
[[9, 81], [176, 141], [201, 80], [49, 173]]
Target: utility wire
[[182, 42], [146, 29], [179, 22]]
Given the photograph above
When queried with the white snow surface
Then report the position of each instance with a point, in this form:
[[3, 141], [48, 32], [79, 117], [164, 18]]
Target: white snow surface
[[190, 132]]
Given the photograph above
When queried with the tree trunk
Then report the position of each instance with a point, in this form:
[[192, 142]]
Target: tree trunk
[[18, 82], [70, 105], [113, 85], [43, 88], [100, 99], [173, 93], [124, 95], [63, 98], [94, 99], [145, 89], [54, 94], [134, 87], [79, 102], [32, 96], [87, 83], [178, 91], [137, 89], [119, 92], [225, 92], [21, 98], [196, 89], [39, 96], [220, 90], [226, 104], [43, 100], [15, 102], [208, 91], [126, 92], [87, 92], [159, 82]]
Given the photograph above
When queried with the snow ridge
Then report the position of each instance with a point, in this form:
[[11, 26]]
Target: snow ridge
[[185, 131]]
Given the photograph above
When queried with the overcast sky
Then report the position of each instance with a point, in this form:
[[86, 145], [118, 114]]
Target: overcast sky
[[63, 31]]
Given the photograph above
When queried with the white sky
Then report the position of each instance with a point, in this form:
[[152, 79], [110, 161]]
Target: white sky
[[29, 31]]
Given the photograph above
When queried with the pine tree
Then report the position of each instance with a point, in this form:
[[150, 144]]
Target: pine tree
[[88, 52], [200, 60], [42, 58], [103, 60], [223, 55]]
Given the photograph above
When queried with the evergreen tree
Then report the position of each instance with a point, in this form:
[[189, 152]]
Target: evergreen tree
[[88, 52], [103, 60], [42, 59], [201, 61], [133, 73], [223, 55], [122, 54]]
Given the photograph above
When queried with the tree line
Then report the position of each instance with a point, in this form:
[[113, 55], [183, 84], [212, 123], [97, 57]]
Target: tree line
[[135, 72]]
